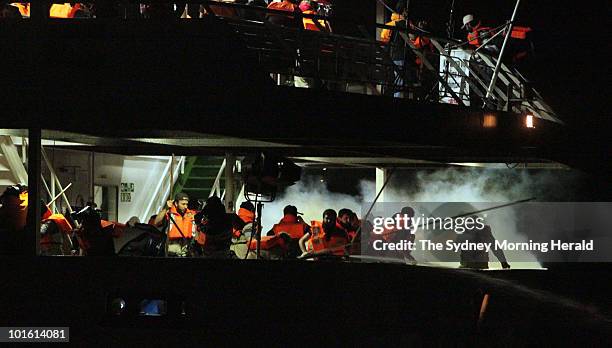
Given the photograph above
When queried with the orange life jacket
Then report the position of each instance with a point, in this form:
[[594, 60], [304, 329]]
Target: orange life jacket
[[61, 11], [295, 230], [335, 244], [290, 225], [245, 215], [184, 222], [385, 34], [61, 222], [474, 38], [24, 8], [309, 23], [424, 44], [283, 6], [519, 33], [74, 10], [269, 242]]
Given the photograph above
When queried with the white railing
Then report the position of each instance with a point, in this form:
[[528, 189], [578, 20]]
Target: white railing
[[162, 191], [216, 188], [15, 163]]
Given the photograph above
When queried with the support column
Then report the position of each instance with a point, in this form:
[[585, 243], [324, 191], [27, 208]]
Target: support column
[[381, 177], [31, 241], [52, 191], [230, 185]]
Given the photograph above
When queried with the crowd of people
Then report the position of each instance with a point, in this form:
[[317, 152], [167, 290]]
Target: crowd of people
[[184, 10], [212, 232], [414, 72]]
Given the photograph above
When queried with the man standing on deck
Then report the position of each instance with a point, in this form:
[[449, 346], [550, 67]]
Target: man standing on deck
[[179, 220]]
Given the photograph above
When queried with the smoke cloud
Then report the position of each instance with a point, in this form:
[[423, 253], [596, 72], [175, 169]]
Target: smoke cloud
[[312, 197]]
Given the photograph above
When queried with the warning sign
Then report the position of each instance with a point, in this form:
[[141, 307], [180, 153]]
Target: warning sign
[[127, 189], [126, 197]]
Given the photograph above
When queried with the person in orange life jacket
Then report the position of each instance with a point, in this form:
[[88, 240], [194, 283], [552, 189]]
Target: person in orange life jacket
[[327, 237], [292, 225], [478, 34], [55, 233], [242, 235], [179, 222], [246, 213], [424, 45], [312, 7], [273, 247], [398, 49], [214, 230], [284, 20], [344, 219]]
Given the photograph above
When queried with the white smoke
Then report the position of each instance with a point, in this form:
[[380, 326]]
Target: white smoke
[[312, 197]]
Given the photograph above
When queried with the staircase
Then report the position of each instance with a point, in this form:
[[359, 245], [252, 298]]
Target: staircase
[[6, 177], [199, 177], [12, 170]]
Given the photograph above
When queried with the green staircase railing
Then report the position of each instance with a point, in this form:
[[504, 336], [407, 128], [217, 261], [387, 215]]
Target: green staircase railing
[[199, 176]]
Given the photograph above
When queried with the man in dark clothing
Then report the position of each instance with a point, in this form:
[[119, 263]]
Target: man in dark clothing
[[479, 259], [214, 228], [398, 46]]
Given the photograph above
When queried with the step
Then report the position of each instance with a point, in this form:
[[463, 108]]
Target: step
[[194, 177], [196, 189], [207, 166]]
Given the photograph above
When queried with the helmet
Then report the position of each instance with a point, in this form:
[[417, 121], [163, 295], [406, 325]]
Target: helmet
[[467, 19]]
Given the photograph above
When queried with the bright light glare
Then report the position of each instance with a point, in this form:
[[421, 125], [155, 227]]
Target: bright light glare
[[529, 121]]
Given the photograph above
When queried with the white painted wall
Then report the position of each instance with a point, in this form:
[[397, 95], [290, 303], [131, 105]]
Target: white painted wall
[[110, 170]]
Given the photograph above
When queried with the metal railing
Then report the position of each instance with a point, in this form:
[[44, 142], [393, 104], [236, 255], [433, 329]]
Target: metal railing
[[360, 63], [161, 193]]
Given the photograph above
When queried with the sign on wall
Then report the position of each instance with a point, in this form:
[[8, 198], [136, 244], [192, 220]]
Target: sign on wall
[[127, 189]]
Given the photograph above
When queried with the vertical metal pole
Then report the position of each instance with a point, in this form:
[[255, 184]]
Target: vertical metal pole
[[230, 162], [172, 177], [501, 54], [52, 191], [32, 236], [258, 228], [24, 147], [381, 177], [54, 177], [92, 191]]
